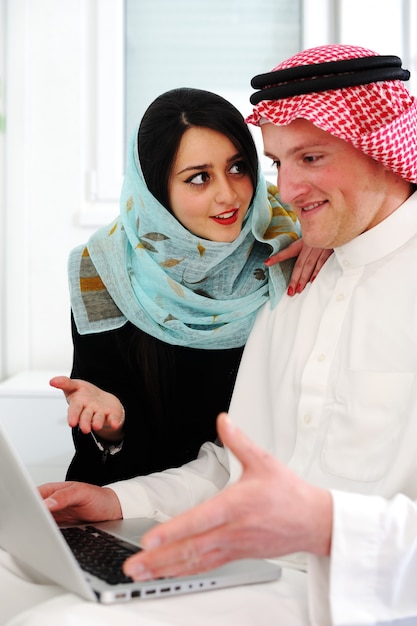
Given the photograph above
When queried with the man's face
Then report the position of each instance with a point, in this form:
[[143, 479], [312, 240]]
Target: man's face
[[336, 191]]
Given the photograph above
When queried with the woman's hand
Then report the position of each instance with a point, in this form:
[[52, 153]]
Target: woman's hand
[[309, 263], [91, 408]]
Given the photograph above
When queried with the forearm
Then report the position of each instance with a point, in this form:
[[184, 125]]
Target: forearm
[[163, 495]]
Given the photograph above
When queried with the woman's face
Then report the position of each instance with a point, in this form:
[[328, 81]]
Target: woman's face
[[209, 188]]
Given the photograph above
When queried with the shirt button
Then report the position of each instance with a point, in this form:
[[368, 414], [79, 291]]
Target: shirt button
[[340, 297], [307, 419], [321, 358]]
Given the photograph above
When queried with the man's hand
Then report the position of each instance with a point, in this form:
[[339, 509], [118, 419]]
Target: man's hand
[[308, 264], [92, 409], [73, 502], [269, 512]]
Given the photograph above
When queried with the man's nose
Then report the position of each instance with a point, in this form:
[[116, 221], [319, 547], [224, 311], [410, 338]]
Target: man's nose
[[289, 184]]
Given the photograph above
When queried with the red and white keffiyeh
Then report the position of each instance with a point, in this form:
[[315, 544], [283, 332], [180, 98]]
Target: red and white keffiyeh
[[378, 118]]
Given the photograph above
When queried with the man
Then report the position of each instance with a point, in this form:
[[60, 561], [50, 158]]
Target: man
[[326, 393], [328, 380]]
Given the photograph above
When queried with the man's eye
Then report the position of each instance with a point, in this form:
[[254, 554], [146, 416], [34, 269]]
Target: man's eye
[[311, 158]]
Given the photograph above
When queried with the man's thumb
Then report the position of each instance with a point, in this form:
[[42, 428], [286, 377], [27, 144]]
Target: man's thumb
[[244, 449]]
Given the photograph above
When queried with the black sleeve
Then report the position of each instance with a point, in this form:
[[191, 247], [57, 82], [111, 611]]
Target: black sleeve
[[102, 359], [168, 417]]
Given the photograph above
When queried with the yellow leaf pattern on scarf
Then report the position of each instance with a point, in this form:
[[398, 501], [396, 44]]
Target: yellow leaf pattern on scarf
[[276, 208], [201, 249], [171, 262], [114, 227], [146, 245], [274, 231], [129, 203], [176, 287], [277, 211]]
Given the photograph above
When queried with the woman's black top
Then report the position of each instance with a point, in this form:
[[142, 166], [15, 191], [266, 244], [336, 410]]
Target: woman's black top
[[171, 395]]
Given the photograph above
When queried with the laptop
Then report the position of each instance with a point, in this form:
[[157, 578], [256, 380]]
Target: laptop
[[29, 532]]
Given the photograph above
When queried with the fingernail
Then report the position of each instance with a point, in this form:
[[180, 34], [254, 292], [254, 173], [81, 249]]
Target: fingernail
[[50, 503], [229, 424], [151, 543], [299, 289], [137, 571], [290, 291]]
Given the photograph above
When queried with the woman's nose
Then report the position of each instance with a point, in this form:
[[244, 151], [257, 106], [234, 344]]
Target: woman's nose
[[225, 192]]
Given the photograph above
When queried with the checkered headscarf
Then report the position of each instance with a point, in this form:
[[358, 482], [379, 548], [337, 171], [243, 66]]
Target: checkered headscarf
[[379, 117]]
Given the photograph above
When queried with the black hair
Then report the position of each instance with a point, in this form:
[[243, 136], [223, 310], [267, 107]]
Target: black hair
[[159, 136], [166, 120]]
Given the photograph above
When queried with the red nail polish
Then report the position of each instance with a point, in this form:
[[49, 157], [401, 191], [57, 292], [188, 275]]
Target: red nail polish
[[290, 291]]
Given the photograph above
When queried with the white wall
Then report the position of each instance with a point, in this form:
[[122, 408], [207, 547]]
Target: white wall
[[2, 160], [50, 137], [45, 147]]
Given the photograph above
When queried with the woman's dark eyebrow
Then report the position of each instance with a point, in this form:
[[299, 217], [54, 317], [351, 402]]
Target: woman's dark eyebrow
[[205, 166]]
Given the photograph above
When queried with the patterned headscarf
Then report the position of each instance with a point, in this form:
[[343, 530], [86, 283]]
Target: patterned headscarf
[[378, 117], [184, 290]]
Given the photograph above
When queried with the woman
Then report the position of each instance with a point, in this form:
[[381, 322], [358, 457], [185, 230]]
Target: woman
[[163, 299]]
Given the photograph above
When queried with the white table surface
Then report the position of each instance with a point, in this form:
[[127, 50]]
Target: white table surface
[[24, 603], [280, 603]]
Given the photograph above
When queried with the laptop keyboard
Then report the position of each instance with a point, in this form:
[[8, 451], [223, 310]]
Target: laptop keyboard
[[99, 553]]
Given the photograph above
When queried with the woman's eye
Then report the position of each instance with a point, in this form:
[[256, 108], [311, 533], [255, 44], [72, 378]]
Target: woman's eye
[[239, 167], [276, 164], [198, 179]]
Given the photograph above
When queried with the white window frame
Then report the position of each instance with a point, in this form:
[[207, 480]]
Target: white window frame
[[105, 88], [2, 170], [105, 105], [103, 112]]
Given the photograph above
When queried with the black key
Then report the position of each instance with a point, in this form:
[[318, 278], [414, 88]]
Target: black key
[[99, 553]]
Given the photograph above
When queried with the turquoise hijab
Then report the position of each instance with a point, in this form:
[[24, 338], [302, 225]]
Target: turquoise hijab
[[147, 268]]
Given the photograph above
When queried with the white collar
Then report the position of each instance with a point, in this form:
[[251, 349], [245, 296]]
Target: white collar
[[384, 238]]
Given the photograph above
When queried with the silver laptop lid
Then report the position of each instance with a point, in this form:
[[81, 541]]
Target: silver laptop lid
[[29, 532]]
